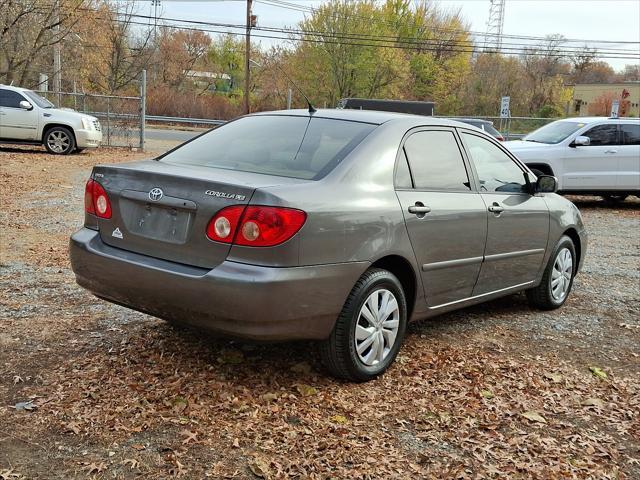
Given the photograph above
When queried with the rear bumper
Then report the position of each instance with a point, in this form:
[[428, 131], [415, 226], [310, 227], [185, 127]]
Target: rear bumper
[[236, 299], [88, 138]]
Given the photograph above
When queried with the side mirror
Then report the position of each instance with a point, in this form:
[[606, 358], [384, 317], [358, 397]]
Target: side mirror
[[581, 141], [547, 184], [26, 105]]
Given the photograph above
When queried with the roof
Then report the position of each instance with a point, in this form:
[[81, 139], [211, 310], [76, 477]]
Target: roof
[[596, 119], [368, 116]]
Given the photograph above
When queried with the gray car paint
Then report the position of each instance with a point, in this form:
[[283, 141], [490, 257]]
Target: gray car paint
[[355, 218]]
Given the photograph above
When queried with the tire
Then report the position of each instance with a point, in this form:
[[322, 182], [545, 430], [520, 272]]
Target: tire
[[339, 352], [615, 199], [545, 296], [59, 141]]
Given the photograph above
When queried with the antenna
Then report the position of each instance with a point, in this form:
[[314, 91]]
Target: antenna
[[311, 107], [495, 24]]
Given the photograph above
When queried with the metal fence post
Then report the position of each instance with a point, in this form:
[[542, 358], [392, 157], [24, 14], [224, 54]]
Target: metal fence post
[[108, 122], [143, 106]]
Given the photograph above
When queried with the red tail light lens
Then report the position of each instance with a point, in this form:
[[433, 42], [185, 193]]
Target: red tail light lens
[[96, 200], [269, 226], [224, 224], [255, 226]]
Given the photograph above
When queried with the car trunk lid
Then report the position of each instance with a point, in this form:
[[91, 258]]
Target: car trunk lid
[[162, 210]]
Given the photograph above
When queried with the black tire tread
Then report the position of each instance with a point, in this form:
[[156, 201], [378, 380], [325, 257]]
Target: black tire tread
[[539, 296], [72, 144], [334, 352]]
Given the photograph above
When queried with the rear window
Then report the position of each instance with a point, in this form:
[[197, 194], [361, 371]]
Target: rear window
[[297, 147]]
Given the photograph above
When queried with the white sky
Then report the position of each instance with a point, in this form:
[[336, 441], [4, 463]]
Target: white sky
[[617, 20]]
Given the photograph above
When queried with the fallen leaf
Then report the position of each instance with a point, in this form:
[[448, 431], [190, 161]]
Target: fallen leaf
[[25, 406], [593, 402], [487, 394], [598, 372], [339, 419], [190, 436], [534, 416], [554, 377], [306, 390], [259, 467], [132, 462], [301, 367], [236, 443], [179, 404], [138, 446], [269, 397], [231, 357]]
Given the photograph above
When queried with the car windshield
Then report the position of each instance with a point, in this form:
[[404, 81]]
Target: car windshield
[[288, 146], [38, 100], [554, 132]]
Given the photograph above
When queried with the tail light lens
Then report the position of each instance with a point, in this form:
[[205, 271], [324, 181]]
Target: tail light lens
[[255, 226], [223, 225], [96, 200]]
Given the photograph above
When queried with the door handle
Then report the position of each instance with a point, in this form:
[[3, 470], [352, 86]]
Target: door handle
[[611, 151], [495, 208], [419, 209]]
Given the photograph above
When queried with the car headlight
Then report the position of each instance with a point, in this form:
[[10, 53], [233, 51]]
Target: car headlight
[[87, 124]]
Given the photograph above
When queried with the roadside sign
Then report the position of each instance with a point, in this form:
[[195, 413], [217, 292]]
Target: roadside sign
[[504, 107], [615, 106]]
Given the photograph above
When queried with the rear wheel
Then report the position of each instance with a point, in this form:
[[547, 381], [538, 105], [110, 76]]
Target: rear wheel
[[59, 141], [614, 199], [557, 279], [370, 329]]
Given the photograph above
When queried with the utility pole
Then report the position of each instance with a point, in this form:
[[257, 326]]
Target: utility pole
[[246, 57], [57, 50]]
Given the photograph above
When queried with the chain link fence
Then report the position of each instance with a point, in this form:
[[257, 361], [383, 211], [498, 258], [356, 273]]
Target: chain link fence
[[121, 117]]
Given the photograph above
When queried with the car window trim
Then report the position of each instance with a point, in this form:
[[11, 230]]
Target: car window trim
[[429, 128], [618, 140], [515, 160]]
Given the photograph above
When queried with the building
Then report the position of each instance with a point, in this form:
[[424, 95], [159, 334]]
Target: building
[[594, 99]]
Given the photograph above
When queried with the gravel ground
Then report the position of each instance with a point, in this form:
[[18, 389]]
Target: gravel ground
[[493, 391]]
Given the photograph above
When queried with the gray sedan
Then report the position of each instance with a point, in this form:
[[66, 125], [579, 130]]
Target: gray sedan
[[337, 225]]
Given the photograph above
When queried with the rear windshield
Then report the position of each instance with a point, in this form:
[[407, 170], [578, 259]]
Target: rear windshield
[[297, 147]]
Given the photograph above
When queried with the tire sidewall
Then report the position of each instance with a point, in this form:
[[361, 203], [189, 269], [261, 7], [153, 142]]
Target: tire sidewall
[[387, 281], [69, 133], [565, 242]]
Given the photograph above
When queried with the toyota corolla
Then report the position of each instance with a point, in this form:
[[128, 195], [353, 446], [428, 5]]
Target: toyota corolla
[[336, 225]]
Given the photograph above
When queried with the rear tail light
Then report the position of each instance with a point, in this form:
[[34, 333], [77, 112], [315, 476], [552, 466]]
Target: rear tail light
[[96, 200], [255, 226]]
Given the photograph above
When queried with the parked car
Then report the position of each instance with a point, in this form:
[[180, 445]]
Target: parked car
[[485, 125], [26, 117], [589, 156], [338, 226]]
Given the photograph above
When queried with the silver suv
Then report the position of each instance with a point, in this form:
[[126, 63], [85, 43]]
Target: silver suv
[[26, 117], [338, 226]]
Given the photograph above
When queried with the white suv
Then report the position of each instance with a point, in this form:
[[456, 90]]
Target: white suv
[[588, 155], [26, 117]]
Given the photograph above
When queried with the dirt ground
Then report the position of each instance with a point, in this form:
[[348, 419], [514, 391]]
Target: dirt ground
[[93, 390]]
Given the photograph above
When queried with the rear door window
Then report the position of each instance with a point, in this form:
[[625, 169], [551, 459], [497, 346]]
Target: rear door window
[[630, 133], [436, 162], [603, 135], [287, 146]]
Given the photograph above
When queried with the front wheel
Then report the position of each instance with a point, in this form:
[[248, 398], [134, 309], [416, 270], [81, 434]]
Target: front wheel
[[614, 199], [557, 279], [370, 329], [59, 141]]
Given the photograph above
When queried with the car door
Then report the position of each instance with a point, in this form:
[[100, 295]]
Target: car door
[[629, 157], [445, 217], [517, 222], [16, 123], [593, 166]]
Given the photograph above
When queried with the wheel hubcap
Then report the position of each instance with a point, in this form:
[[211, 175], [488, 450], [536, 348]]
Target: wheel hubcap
[[561, 275], [377, 327], [58, 141]]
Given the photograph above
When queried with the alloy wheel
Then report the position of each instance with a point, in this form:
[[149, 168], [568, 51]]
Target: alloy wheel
[[58, 141]]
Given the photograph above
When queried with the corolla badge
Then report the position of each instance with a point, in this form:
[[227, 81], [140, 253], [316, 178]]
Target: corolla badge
[[155, 194]]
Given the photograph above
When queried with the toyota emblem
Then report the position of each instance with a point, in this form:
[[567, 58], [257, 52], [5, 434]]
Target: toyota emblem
[[155, 194]]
